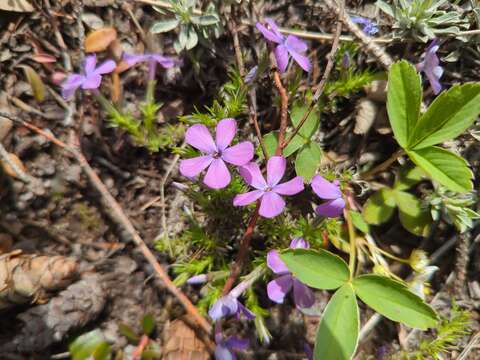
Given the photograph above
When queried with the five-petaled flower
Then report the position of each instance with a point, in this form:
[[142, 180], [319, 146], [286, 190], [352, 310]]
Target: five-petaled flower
[[215, 153], [431, 67], [229, 305], [152, 59], [271, 203], [225, 347], [369, 27], [277, 289], [287, 46], [326, 190], [91, 77]]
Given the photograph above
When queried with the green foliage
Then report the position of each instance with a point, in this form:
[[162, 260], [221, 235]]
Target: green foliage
[[414, 216], [448, 116], [191, 26], [393, 300], [91, 345], [422, 19], [337, 334]]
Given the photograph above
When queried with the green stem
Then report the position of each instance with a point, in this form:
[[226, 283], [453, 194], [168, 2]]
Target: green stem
[[352, 238], [150, 94]]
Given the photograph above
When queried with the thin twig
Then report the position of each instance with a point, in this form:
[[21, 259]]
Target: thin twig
[[323, 80], [282, 92], [383, 166], [118, 216]]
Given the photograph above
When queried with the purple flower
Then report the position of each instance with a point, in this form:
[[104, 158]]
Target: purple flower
[[215, 153], [269, 191], [369, 27], [90, 79], [431, 67], [287, 46], [277, 289], [335, 204], [224, 348], [152, 59], [229, 305], [197, 279]]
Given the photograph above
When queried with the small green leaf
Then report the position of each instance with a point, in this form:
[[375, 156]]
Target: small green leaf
[[128, 332], [90, 345], [148, 324], [308, 160], [449, 115], [337, 334], [403, 100], [296, 143], [310, 125], [359, 222], [413, 216], [394, 301], [192, 38], [319, 269], [379, 207], [164, 26], [444, 167], [271, 142], [408, 177], [204, 20]]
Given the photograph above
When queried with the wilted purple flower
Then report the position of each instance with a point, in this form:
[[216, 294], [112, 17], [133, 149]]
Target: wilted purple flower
[[216, 153], [225, 347], [326, 190], [369, 27], [229, 305], [431, 67], [251, 75], [91, 77], [277, 289], [287, 46], [269, 191], [152, 59]]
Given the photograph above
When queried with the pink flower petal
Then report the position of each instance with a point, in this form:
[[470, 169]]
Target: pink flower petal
[[299, 243], [275, 263], [224, 306], [331, 208], [217, 176], [291, 187], [281, 55], [247, 198], [226, 130], [293, 43], [277, 289], [194, 166], [166, 62], [271, 34], [302, 60], [90, 62], [106, 67], [132, 59], [71, 84], [302, 295], [253, 176], [92, 81], [199, 137], [271, 205], [325, 189], [275, 170], [240, 154], [236, 343]]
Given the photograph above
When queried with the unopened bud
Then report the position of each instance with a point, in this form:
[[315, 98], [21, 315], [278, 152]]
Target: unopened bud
[[197, 279]]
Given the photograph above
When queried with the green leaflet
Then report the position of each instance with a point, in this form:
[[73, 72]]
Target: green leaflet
[[379, 207], [337, 334], [308, 160], [317, 268], [413, 216], [445, 167], [164, 25], [394, 301]]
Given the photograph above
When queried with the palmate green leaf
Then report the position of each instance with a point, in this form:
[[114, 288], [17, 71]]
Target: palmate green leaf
[[337, 334], [413, 216], [164, 26], [379, 207], [394, 301], [403, 100], [308, 160], [445, 167], [319, 269], [449, 115], [310, 125]]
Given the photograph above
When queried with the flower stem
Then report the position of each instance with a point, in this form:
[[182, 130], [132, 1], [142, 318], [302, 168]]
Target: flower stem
[[368, 174], [352, 238], [149, 96]]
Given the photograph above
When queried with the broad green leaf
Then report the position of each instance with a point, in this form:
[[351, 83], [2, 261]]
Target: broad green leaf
[[337, 334], [394, 301], [403, 100], [359, 222], [444, 167], [90, 345], [408, 177], [310, 125], [317, 268], [164, 26], [308, 160], [296, 143], [379, 207], [36, 83], [449, 115], [413, 216], [271, 142]]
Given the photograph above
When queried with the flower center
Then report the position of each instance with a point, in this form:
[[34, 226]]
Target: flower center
[[217, 154]]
